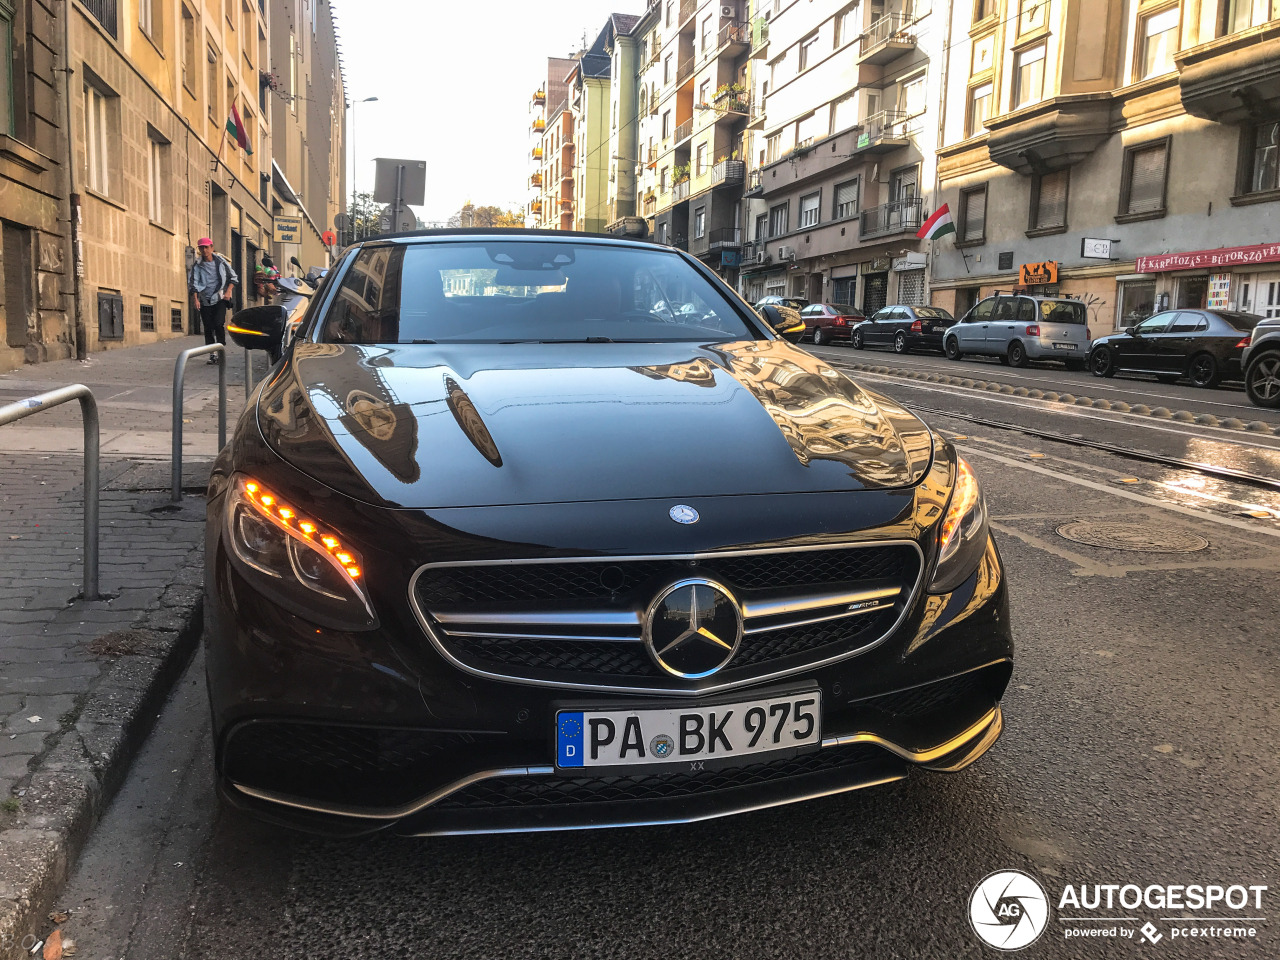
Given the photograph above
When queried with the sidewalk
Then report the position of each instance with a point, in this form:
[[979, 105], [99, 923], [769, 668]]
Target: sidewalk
[[81, 681]]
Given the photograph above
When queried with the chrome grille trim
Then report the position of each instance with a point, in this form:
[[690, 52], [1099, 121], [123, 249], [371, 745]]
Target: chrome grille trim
[[660, 686]]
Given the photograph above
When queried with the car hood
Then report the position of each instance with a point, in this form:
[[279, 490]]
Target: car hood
[[456, 425]]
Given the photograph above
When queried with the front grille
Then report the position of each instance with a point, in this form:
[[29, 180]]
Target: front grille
[[550, 791], [579, 621]]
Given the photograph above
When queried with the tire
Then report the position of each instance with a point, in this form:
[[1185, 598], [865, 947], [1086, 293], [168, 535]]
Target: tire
[[1075, 365], [1101, 363], [900, 343], [1017, 354], [1168, 377], [818, 338], [952, 348], [855, 339], [1203, 371], [1262, 380]]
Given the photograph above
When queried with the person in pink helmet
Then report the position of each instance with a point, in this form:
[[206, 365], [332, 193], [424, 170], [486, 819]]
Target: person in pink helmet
[[211, 282]]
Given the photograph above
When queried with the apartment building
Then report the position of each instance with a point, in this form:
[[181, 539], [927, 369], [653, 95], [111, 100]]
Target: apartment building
[[35, 303], [620, 42], [550, 129], [1126, 153], [849, 99]]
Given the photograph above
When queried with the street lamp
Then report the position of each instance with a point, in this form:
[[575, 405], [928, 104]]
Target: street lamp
[[351, 107]]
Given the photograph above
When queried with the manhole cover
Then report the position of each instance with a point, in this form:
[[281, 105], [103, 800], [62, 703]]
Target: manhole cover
[[1131, 536]]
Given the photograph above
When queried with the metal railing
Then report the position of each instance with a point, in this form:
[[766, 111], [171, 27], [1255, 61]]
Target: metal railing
[[892, 26], [726, 237], [179, 376], [885, 125], [680, 191], [687, 9], [650, 206], [684, 131], [896, 216], [684, 71], [728, 172], [755, 183], [89, 415], [759, 33]]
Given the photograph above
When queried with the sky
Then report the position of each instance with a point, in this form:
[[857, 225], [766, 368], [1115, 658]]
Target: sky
[[453, 80]]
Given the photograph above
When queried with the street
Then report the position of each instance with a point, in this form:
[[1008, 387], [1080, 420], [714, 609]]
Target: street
[[1138, 748]]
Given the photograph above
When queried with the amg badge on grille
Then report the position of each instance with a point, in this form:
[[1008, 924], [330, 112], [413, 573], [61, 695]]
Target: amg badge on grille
[[683, 513]]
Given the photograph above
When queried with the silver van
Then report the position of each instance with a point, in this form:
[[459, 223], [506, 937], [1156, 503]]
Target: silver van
[[1018, 328]]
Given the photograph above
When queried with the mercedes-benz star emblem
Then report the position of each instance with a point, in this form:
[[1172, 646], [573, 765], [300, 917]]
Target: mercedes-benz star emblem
[[683, 513], [693, 628]]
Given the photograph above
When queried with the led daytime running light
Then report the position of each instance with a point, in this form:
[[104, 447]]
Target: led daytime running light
[[306, 528]]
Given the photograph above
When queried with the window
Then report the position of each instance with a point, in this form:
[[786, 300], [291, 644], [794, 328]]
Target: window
[[212, 83], [97, 140], [147, 317], [644, 101], [1049, 201], [188, 50], [704, 92], [246, 116], [979, 109], [1142, 186], [157, 182], [848, 23], [666, 68], [913, 99], [700, 160], [807, 46], [973, 215], [18, 293], [149, 18], [844, 112], [1263, 157], [1242, 14], [984, 8], [699, 223], [293, 74], [1158, 41], [246, 36], [762, 227], [812, 127], [846, 204], [708, 32], [1032, 15], [779, 219], [1028, 77], [667, 20], [666, 124], [773, 148], [8, 122], [809, 209], [176, 323], [662, 179]]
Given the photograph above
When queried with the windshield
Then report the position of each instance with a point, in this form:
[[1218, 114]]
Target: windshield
[[522, 291], [843, 308], [932, 313], [1063, 311]]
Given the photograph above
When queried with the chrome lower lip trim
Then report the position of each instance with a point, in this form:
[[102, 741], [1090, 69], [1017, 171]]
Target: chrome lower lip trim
[[425, 624], [988, 728]]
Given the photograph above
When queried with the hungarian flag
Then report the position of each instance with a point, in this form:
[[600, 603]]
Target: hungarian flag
[[235, 128], [938, 225]]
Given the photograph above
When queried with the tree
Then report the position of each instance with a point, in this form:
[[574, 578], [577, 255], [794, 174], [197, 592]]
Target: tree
[[472, 216], [364, 215]]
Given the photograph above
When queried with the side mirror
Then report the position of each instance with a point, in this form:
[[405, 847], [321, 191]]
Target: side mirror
[[258, 328], [294, 261], [1131, 331], [785, 322]]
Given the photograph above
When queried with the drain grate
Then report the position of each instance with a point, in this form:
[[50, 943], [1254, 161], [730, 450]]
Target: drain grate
[[1131, 536]]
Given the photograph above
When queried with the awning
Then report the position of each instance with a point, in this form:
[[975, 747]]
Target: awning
[[1221, 259]]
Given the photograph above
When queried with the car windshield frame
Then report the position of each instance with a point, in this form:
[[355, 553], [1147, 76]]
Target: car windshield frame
[[730, 320]]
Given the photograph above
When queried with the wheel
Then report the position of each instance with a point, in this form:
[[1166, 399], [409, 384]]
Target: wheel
[[818, 338], [1204, 370], [952, 347], [1168, 377], [1262, 380], [1102, 364], [856, 339], [1076, 365], [1017, 354], [900, 343]]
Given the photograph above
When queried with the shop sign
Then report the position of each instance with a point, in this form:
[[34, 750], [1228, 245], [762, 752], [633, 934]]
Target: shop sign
[[1201, 259], [730, 258], [1095, 248], [1219, 290], [877, 266], [912, 261], [1038, 274], [286, 229]]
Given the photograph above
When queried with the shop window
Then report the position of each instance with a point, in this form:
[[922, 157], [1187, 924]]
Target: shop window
[[1049, 203], [979, 109], [1028, 76], [1193, 292], [1157, 43], [973, 214], [1143, 180], [844, 290]]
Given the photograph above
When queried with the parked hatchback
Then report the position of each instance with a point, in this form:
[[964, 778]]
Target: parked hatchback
[[1019, 328], [904, 328], [1203, 345], [829, 322]]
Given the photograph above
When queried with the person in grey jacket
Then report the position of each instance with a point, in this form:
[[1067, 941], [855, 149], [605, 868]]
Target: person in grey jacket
[[211, 282]]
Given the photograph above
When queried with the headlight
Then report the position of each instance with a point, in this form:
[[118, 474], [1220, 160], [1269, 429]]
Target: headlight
[[305, 566], [962, 535]]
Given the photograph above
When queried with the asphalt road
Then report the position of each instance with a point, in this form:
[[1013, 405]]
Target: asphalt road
[[1139, 748]]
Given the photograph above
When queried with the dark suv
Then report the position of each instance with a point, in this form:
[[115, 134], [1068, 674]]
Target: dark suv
[[1261, 362]]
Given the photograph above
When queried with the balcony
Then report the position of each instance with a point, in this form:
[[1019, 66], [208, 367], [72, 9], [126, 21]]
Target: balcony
[[684, 131], [726, 238], [1234, 79], [885, 131], [535, 180], [728, 173], [759, 38], [1050, 135], [537, 153], [684, 71], [536, 208], [887, 39], [687, 9], [649, 206], [755, 185], [680, 191], [538, 125], [680, 243], [732, 104], [890, 219], [539, 98], [734, 37]]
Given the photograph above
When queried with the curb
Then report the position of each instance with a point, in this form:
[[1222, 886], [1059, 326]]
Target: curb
[[1257, 427], [74, 782]]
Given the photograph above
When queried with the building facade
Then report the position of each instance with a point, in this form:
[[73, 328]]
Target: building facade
[[589, 106], [551, 128], [1127, 154]]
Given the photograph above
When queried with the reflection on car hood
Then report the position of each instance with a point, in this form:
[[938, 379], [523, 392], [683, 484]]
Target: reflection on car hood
[[430, 426]]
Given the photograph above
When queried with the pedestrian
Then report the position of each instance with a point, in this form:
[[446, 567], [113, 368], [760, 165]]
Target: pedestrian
[[211, 281]]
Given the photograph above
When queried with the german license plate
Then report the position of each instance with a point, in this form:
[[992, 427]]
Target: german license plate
[[1063, 346], [690, 736]]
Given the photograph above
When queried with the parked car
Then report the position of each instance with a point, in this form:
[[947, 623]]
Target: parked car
[[1019, 328], [1261, 362], [795, 303], [829, 322], [1204, 346], [499, 547], [904, 328]]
